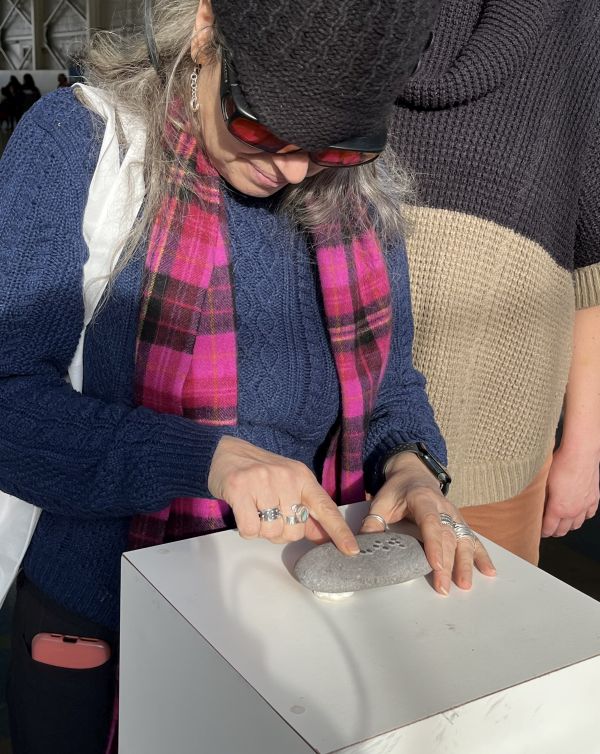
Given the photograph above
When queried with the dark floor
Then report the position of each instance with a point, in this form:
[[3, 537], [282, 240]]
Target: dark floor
[[4, 654], [575, 558]]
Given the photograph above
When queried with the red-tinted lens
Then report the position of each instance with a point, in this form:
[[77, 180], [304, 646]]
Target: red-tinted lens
[[342, 158], [255, 134]]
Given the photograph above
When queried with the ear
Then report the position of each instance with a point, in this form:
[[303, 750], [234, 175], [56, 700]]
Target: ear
[[202, 28]]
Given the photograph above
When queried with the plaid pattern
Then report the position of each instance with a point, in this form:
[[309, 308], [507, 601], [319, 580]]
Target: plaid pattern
[[187, 358], [356, 296]]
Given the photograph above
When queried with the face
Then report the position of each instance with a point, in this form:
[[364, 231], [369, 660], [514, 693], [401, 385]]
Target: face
[[247, 169]]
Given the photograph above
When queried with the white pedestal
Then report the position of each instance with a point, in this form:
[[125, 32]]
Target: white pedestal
[[223, 652]]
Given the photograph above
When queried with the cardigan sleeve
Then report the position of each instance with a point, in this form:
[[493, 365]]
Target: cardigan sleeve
[[70, 454], [587, 242], [402, 412]]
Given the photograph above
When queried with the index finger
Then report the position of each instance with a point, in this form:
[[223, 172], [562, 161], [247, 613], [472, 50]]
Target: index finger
[[322, 508]]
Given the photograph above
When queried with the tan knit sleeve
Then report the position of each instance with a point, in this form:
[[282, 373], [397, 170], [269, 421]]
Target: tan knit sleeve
[[587, 242], [587, 286]]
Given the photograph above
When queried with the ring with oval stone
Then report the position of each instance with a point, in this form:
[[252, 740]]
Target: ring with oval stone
[[301, 513]]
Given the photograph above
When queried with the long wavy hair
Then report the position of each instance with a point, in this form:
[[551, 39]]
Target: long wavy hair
[[120, 65]]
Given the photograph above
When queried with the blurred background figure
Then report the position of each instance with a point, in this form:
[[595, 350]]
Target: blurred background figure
[[29, 92], [62, 80], [13, 101], [4, 113]]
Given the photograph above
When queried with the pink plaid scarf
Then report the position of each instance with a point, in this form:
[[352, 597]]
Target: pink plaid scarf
[[187, 357]]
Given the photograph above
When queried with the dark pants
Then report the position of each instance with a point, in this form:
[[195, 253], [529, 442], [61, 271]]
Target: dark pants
[[56, 710]]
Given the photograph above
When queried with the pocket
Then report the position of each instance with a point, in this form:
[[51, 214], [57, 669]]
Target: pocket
[[56, 709]]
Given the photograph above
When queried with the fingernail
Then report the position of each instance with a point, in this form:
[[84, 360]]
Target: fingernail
[[444, 584], [351, 546]]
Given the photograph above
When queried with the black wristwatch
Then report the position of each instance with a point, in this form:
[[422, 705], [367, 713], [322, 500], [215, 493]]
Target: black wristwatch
[[420, 450]]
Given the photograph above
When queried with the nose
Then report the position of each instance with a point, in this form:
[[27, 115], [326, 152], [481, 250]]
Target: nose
[[293, 165]]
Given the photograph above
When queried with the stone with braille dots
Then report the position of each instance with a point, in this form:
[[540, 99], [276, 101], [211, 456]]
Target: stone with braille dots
[[385, 558]]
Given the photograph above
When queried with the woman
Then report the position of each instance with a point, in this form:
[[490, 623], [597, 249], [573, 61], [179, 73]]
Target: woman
[[30, 92], [501, 125], [251, 361], [13, 93]]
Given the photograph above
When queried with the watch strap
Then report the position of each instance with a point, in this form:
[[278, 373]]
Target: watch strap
[[426, 456]]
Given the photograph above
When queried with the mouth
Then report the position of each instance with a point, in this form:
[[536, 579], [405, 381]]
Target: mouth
[[266, 180]]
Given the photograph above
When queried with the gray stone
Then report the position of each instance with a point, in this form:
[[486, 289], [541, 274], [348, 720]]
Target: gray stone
[[385, 558]]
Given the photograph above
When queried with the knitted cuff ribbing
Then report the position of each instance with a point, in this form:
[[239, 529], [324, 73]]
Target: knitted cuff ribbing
[[587, 286]]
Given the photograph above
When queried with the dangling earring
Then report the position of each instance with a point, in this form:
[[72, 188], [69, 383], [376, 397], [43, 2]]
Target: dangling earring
[[194, 104]]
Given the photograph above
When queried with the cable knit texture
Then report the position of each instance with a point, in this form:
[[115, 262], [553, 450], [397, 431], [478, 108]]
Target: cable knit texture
[[91, 461], [500, 128]]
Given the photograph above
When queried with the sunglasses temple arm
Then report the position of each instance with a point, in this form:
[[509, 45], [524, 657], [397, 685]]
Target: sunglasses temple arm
[[151, 41]]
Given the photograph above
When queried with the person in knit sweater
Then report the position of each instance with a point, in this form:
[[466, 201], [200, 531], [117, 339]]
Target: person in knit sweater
[[250, 365], [500, 127]]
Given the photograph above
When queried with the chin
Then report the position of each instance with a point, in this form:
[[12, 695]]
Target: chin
[[259, 193], [248, 188]]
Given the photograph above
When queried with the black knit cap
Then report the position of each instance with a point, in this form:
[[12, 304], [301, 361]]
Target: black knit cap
[[318, 72]]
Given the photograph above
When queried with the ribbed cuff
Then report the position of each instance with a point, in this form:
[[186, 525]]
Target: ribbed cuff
[[179, 459], [494, 481], [587, 286]]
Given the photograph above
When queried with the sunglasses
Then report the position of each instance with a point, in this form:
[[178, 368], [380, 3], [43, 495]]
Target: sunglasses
[[242, 124]]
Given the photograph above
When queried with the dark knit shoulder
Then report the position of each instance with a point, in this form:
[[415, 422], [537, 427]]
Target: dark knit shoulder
[[500, 124], [60, 109], [68, 123]]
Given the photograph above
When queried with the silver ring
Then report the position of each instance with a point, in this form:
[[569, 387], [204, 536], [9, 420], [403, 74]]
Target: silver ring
[[301, 513], [377, 517], [269, 514], [447, 520], [462, 530]]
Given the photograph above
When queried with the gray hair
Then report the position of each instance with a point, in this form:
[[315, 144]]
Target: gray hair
[[334, 197]]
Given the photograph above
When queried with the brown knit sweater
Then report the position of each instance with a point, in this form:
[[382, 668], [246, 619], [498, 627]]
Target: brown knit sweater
[[500, 128]]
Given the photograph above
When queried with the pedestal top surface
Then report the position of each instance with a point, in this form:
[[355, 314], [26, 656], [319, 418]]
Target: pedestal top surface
[[348, 671]]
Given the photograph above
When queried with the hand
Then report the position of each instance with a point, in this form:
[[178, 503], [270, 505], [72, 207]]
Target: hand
[[572, 491], [412, 492], [250, 479]]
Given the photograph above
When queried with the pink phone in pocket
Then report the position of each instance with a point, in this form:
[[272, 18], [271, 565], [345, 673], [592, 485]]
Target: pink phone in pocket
[[64, 651]]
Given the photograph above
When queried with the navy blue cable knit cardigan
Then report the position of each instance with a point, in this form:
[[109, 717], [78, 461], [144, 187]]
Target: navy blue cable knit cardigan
[[91, 461]]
